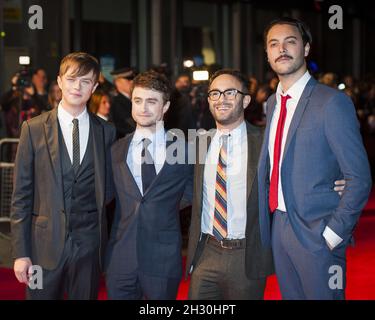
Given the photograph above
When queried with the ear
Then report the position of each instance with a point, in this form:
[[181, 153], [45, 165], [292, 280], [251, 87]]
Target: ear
[[166, 106], [246, 101], [59, 82], [94, 88], [307, 49]]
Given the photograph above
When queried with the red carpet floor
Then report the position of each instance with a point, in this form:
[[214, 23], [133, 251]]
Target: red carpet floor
[[360, 273]]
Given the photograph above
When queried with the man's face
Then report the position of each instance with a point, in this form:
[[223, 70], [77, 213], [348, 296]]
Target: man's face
[[40, 78], [227, 111], [285, 50], [148, 107], [76, 91], [182, 83], [124, 85]]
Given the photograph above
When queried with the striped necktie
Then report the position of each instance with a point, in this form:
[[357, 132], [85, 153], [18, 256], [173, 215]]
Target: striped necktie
[[220, 212]]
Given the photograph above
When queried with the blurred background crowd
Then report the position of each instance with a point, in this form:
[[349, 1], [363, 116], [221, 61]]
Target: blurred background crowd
[[33, 92]]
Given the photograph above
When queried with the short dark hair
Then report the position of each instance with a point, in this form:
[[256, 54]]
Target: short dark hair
[[303, 29], [155, 81], [83, 64], [234, 73]]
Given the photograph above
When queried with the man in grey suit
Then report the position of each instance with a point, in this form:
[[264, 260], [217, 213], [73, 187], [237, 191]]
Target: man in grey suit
[[225, 256], [144, 251], [61, 184], [312, 138]]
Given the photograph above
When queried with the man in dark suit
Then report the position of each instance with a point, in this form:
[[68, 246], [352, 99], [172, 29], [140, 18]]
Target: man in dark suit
[[312, 139], [225, 256], [61, 183], [121, 107], [144, 251]]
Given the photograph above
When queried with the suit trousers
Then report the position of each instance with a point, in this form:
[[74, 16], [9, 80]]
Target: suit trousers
[[78, 272], [138, 286], [220, 275], [303, 274]]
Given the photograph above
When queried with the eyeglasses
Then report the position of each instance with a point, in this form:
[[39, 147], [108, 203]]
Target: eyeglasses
[[229, 94]]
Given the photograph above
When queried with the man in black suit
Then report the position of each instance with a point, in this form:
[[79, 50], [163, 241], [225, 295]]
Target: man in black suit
[[121, 108], [62, 182], [144, 251]]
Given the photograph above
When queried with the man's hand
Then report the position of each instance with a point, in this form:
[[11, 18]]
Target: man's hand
[[339, 186], [21, 269]]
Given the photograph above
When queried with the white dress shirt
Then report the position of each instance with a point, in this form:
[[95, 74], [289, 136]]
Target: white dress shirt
[[295, 93], [66, 125], [236, 182], [102, 116], [157, 149]]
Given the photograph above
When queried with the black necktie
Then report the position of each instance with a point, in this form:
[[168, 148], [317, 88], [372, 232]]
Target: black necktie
[[147, 167], [76, 152]]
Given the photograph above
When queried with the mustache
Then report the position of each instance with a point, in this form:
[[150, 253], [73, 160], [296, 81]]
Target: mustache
[[283, 56]]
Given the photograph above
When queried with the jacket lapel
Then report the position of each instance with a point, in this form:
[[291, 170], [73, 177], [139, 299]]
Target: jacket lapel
[[254, 143], [99, 160], [121, 162], [51, 131], [271, 104], [300, 109]]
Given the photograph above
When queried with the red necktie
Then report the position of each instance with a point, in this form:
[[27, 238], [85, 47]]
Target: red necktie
[[274, 190]]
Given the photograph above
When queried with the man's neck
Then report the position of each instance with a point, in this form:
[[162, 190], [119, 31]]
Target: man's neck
[[74, 111], [150, 130], [229, 127], [287, 81]]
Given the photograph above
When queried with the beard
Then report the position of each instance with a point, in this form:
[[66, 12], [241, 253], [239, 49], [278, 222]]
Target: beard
[[233, 114]]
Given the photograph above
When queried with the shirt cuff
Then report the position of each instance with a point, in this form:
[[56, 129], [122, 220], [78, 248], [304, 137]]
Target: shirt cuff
[[331, 237]]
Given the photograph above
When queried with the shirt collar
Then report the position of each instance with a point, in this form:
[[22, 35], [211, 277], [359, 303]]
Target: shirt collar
[[236, 134], [158, 137], [67, 118], [295, 91], [102, 116]]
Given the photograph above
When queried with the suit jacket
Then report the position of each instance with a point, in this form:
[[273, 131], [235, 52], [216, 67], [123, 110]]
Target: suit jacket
[[258, 260], [121, 115], [38, 218], [146, 234], [323, 145]]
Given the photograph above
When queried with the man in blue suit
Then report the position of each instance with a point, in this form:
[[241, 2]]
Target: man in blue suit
[[144, 251], [312, 138]]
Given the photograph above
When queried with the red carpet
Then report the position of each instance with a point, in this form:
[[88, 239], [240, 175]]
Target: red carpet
[[360, 273]]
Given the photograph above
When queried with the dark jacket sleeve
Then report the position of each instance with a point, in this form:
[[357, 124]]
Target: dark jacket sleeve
[[23, 194], [342, 131], [110, 192]]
